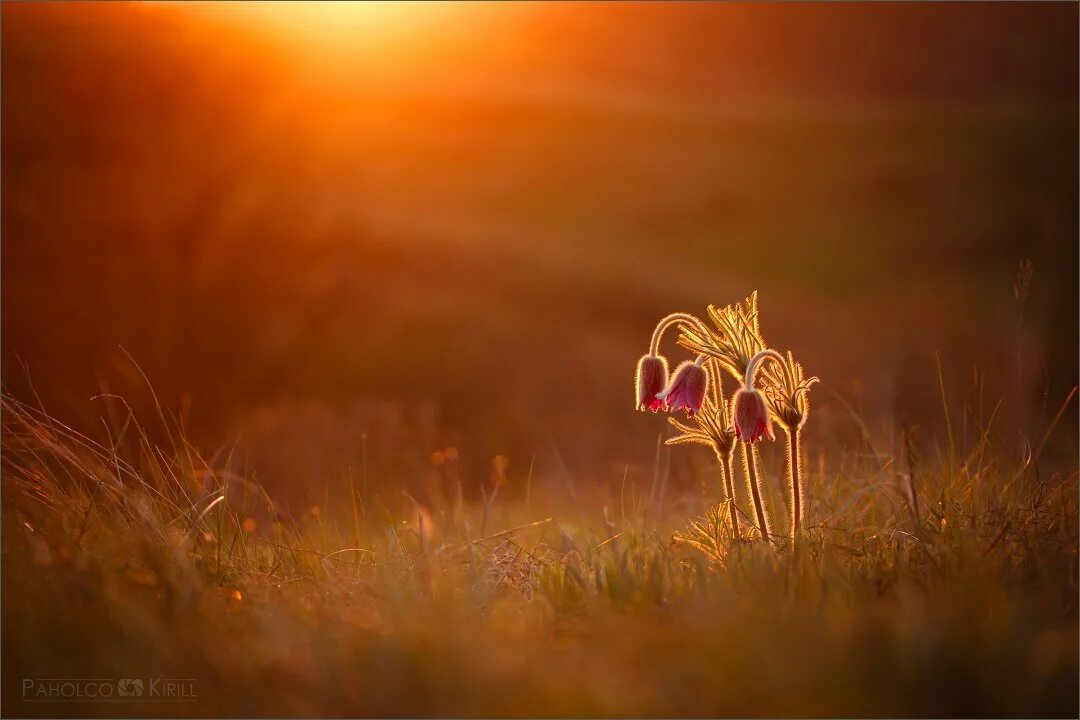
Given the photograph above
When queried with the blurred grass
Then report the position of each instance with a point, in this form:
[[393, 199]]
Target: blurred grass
[[120, 560]]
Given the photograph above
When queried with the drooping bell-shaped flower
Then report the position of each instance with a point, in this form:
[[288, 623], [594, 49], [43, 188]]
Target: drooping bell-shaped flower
[[752, 421], [651, 378], [687, 389]]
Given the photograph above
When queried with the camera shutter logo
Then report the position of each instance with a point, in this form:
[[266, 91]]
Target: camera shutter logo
[[129, 687]]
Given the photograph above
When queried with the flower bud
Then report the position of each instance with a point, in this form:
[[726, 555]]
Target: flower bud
[[651, 377], [687, 389], [752, 419]]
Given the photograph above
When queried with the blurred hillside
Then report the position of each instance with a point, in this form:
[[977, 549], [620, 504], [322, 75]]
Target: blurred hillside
[[311, 250]]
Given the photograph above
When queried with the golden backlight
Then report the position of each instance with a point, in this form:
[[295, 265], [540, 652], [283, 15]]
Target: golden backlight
[[326, 331], [344, 27], [390, 44]]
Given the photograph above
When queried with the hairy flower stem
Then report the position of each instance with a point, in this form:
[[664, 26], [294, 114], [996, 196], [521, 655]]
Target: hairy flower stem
[[753, 481], [794, 467], [755, 362], [729, 488], [672, 319]]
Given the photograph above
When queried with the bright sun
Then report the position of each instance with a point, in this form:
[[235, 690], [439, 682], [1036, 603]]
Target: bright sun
[[341, 26]]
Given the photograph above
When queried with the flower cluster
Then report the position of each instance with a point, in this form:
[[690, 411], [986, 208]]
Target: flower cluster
[[687, 386], [778, 392]]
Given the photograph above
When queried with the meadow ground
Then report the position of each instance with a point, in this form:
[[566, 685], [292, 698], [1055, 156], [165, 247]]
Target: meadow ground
[[922, 588]]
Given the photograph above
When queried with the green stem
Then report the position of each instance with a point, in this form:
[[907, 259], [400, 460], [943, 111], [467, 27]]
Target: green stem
[[795, 479], [729, 488], [753, 482]]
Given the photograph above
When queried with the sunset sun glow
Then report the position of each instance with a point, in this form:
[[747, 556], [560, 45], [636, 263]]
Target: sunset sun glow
[[347, 26]]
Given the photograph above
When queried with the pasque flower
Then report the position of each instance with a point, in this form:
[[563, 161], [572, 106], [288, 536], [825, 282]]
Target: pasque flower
[[735, 346], [687, 388], [752, 421], [651, 379]]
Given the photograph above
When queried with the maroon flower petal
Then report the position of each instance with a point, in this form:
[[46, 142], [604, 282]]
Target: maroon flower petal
[[752, 421], [687, 389], [650, 378]]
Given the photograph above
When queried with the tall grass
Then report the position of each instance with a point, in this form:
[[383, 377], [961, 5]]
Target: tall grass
[[950, 590]]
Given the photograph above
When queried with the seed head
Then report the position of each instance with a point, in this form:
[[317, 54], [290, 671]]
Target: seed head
[[651, 378], [687, 389], [752, 419], [787, 392]]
